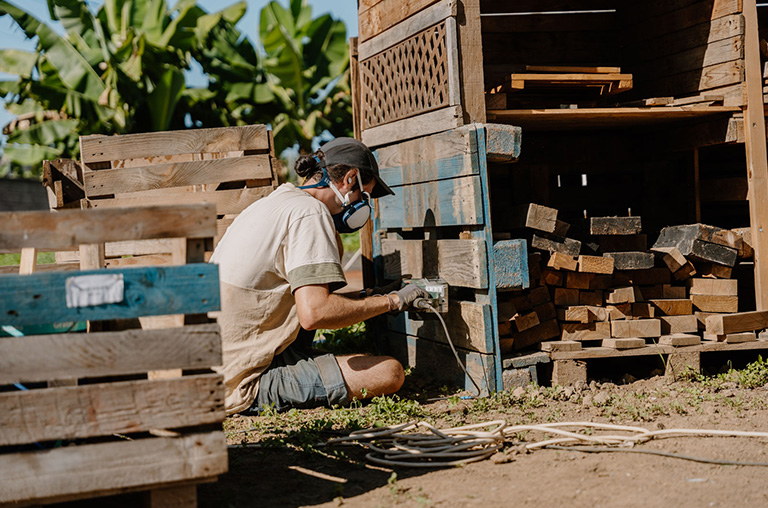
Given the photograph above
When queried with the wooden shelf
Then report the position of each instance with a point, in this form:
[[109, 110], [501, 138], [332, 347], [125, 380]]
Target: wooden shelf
[[598, 118]]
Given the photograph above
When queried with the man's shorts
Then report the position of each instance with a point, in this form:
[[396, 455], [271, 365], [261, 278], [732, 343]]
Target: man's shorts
[[295, 379]]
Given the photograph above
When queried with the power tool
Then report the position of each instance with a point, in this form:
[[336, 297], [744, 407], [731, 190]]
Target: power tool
[[437, 288]]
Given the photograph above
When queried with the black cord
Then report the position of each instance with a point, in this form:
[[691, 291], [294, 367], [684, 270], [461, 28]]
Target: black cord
[[599, 449]]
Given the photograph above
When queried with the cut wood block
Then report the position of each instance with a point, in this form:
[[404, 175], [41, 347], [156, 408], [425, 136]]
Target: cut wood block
[[546, 330], [679, 339], [533, 216], [714, 271], [721, 287], [623, 243], [701, 242], [593, 298], [560, 345], [649, 277], [504, 328], [685, 272], [554, 243], [701, 318], [624, 295], [585, 314], [560, 261], [614, 225], [565, 297], [673, 307], [545, 311], [670, 291], [643, 310], [623, 343], [738, 338], [619, 311], [636, 328], [510, 269], [678, 324], [747, 250], [672, 257], [538, 296], [735, 323], [652, 292], [578, 280], [631, 260], [552, 277], [715, 303], [522, 322], [561, 228], [591, 331], [596, 264]]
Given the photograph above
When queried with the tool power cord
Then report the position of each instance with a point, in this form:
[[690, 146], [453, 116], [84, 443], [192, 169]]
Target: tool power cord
[[423, 304]]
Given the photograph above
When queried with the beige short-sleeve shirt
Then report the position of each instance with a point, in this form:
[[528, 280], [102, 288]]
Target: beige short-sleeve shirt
[[278, 244]]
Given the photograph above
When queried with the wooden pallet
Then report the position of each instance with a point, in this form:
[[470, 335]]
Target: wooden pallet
[[136, 409]]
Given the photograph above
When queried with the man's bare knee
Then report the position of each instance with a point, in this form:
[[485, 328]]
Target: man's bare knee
[[371, 376]]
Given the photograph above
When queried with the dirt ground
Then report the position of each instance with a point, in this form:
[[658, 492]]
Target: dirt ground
[[277, 465]]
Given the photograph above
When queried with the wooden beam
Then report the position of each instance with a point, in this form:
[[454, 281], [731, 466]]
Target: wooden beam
[[471, 62], [417, 126], [458, 262], [104, 468], [68, 229], [386, 14], [97, 148], [98, 410], [231, 201], [41, 298], [757, 156], [735, 323]]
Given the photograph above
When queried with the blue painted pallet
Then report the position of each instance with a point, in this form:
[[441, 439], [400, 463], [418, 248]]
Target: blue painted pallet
[[148, 291]]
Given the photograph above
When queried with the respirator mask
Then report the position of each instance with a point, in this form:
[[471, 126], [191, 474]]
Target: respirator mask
[[353, 215]]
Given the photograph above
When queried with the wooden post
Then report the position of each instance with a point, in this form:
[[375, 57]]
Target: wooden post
[[471, 61], [757, 158], [28, 261]]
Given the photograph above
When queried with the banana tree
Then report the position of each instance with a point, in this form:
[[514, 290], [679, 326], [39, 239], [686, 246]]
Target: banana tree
[[307, 67], [117, 70]]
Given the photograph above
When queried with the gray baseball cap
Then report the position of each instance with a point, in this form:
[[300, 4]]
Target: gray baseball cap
[[353, 153]]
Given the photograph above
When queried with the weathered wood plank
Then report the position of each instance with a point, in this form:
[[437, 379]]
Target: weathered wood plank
[[432, 15], [502, 142], [110, 408], [510, 261], [68, 229], [452, 202], [386, 14], [41, 298], [470, 325], [735, 323], [458, 262], [102, 468], [414, 127], [42, 357], [161, 176], [130, 146], [226, 201]]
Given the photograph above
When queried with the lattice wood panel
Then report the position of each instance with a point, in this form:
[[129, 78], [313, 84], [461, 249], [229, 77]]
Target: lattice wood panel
[[407, 79]]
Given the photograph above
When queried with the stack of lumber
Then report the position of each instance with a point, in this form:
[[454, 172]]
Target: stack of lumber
[[94, 414], [628, 295], [554, 86]]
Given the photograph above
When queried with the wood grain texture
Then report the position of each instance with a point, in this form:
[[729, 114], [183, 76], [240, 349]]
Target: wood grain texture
[[560, 261], [596, 264], [103, 468], [510, 264], [713, 303], [722, 287], [590, 331], [42, 357], [227, 201], [735, 323], [503, 142], [408, 128], [440, 203], [160, 176], [68, 229], [471, 59], [387, 13], [679, 339], [458, 262], [678, 324], [636, 328], [41, 298], [469, 323], [110, 408], [98, 148], [673, 307], [623, 343]]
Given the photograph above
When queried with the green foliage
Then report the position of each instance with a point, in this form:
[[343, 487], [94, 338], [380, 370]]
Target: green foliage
[[120, 69], [14, 259], [754, 375], [344, 341]]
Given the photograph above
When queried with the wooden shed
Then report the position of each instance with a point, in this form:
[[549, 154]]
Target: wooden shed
[[652, 109]]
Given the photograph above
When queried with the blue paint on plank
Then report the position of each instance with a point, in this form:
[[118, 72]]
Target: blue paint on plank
[[454, 202], [503, 142], [510, 263], [40, 298], [427, 171]]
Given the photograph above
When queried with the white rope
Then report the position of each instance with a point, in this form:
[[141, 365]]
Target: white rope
[[423, 445]]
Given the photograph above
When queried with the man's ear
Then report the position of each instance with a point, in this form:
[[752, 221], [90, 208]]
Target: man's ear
[[351, 177]]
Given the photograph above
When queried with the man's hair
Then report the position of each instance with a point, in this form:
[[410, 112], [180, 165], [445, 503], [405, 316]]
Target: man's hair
[[310, 167]]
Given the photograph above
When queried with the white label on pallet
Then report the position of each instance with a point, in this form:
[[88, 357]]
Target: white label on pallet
[[90, 290]]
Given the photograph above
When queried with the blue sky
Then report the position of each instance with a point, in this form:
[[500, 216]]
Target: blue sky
[[12, 37]]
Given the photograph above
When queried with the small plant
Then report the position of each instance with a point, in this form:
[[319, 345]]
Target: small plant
[[754, 375]]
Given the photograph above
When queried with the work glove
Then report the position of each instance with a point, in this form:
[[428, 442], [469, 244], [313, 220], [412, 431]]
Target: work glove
[[408, 294]]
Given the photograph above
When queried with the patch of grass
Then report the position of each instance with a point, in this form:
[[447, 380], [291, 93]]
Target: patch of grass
[[13, 259]]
